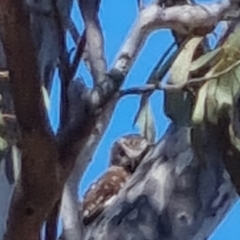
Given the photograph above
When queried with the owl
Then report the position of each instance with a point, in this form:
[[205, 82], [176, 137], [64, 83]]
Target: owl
[[126, 154], [128, 151]]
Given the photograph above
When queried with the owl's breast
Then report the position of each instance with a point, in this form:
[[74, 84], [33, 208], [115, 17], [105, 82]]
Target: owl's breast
[[103, 192]]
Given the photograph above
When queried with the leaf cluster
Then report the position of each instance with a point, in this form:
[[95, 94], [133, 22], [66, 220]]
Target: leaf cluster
[[215, 90]]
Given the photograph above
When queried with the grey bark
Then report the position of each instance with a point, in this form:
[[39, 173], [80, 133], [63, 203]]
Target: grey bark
[[171, 196]]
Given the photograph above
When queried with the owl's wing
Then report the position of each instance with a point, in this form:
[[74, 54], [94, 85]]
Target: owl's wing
[[102, 192]]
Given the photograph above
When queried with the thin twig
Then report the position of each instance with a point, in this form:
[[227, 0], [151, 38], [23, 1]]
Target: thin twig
[[214, 76], [72, 30], [156, 72], [149, 88], [78, 55]]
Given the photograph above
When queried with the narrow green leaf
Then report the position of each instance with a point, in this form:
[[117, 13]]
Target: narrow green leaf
[[180, 69], [199, 110], [46, 98], [223, 94], [209, 59], [236, 82], [145, 120], [16, 162], [211, 102]]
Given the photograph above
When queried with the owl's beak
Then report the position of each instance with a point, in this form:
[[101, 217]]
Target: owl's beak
[[131, 152]]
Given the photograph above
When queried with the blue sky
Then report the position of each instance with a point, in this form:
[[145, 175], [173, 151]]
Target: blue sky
[[116, 19]]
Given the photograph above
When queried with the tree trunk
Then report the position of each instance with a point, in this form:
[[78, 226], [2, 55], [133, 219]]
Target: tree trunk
[[171, 196]]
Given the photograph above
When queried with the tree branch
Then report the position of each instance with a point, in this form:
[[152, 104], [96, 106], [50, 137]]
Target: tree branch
[[95, 44], [182, 19], [72, 222]]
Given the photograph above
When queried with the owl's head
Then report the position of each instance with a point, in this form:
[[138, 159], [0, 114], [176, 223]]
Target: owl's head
[[128, 151]]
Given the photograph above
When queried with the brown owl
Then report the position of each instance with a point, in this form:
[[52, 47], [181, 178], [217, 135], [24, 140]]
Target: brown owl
[[126, 155], [128, 151]]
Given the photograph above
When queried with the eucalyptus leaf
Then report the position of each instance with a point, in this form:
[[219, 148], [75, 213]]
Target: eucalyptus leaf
[[199, 110], [231, 50], [211, 102], [209, 59], [145, 120], [46, 98], [16, 162], [180, 69], [216, 96], [178, 104], [223, 94], [236, 82], [12, 164]]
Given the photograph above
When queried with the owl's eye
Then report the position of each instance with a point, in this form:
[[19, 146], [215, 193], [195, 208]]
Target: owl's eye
[[121, 153]]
